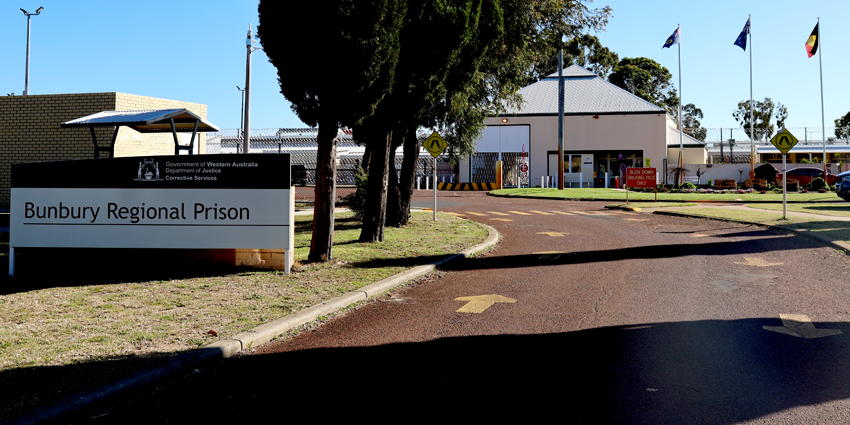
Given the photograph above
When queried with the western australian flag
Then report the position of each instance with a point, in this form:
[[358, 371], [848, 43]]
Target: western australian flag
[[742, 38], [673, 39]]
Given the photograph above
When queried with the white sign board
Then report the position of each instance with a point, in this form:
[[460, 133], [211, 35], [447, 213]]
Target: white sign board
[[188, 202]]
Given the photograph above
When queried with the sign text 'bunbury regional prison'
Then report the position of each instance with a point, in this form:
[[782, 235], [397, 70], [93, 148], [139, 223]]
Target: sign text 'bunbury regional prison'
[[183, 202]]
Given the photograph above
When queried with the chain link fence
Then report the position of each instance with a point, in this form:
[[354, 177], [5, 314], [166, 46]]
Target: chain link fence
[[806, 135], [301, 144]]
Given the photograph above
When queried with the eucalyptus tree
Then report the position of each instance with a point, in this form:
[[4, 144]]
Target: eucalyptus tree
[[647, 79], [764, 112], [335, 64]]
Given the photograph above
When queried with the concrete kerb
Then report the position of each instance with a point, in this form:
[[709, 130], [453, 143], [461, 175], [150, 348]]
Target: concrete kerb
[[839, 245], [245, 340]]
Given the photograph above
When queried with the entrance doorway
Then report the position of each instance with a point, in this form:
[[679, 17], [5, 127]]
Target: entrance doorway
[[615, 165]]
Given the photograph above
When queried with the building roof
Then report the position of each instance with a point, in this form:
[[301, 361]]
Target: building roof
[[151, 121], [584, 93]]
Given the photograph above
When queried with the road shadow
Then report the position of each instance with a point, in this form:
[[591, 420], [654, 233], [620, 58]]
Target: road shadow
[[41, 268], [700, 372], [707, 249]]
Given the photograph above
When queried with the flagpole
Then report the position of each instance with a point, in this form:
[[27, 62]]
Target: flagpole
[[752, 134], [822, 119], [681, 130]]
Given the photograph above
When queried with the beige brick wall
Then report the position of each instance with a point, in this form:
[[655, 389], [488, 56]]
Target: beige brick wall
[[132, 143], [30, 131]]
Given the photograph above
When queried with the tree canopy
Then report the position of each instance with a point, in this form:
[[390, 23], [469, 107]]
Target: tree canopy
[[647, 79], [532, 35], [584, 50], [842, 127], [763, 113]]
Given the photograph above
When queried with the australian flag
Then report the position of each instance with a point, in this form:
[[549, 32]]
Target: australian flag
[[742, 38], [673, 39]]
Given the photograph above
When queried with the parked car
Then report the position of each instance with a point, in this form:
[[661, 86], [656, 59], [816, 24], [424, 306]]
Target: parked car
[[842, 185], [299, 175], [805, 175]]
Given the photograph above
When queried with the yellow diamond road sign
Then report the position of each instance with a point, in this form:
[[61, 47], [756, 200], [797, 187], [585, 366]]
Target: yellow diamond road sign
[[784, 141], [435, 144]]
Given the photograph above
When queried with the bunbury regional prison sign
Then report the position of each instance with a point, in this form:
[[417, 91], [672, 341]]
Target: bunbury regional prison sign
[[183, 202]]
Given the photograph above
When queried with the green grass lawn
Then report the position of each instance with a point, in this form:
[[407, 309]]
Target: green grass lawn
[[830, 229], [839, 210]]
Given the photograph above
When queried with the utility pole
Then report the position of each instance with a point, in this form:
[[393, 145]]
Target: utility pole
[[246, 132]]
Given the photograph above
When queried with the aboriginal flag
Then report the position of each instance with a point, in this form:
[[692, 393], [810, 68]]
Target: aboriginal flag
[[812, 42]]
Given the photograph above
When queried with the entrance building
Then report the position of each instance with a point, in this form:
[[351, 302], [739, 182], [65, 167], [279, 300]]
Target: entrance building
[[606, 129]]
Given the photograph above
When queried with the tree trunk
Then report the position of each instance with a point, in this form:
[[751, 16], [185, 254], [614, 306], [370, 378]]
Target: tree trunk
[[394, 211], [407, 180], [321, 246], [367, 154], [376, 190]]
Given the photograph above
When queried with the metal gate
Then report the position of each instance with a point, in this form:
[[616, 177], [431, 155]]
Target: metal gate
[[483, 168]]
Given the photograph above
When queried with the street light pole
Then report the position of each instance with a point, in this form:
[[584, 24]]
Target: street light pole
[[29, 25]]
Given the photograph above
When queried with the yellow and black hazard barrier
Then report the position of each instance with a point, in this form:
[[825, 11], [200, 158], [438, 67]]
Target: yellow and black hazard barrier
[[467, 186]]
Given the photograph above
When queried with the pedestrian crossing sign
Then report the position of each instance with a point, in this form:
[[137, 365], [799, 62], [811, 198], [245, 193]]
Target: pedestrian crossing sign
[[784, 141], [435, 144]]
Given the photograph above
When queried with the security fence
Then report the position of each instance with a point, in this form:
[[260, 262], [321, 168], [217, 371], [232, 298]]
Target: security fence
[[834, 135], [301, 144]]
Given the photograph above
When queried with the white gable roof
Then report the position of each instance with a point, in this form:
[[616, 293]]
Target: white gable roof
[[584, 93]]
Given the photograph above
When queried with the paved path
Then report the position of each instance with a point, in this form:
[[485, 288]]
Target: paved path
[[580, 315]]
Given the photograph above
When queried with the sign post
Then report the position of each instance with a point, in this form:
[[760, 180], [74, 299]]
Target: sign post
[[784, 141], [435, 145]]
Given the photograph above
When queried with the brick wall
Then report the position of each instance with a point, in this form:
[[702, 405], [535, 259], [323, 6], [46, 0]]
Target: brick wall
[[30, 131]]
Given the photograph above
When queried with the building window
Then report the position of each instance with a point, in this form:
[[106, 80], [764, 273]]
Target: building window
[[572, 163]]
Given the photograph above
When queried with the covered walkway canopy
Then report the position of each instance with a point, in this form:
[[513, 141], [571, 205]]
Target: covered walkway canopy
[[155, 121]]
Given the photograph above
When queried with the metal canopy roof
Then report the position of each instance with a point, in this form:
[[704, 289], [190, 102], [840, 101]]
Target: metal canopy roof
[[156, 121], [146, 121]]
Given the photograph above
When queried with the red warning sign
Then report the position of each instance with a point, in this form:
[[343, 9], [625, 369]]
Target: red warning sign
[[640, 177]]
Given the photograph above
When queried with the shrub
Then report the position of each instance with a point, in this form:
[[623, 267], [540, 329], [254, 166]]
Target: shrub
[[819, 183], [711, 182], [687, 185]]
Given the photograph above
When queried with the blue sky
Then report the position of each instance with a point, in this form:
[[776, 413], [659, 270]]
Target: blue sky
[[195, 51]]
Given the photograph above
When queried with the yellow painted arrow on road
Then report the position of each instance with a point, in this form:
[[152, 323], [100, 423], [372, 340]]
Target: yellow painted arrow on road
[[801, 326], [552, 234], [479, 303], [757, 262]]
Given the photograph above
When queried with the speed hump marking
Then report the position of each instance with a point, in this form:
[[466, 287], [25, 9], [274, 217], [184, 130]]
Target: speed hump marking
[[435, 144], [784, 141]]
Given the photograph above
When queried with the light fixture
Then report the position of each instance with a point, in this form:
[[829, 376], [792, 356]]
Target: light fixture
[[504, 120]]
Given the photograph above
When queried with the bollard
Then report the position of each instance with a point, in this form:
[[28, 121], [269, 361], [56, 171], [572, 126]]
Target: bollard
[[542, 182], [417, 182], [427, 180], [580, 180], [606, 180]]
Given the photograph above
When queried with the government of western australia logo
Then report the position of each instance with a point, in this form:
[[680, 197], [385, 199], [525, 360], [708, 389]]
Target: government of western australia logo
[[148, 171]]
